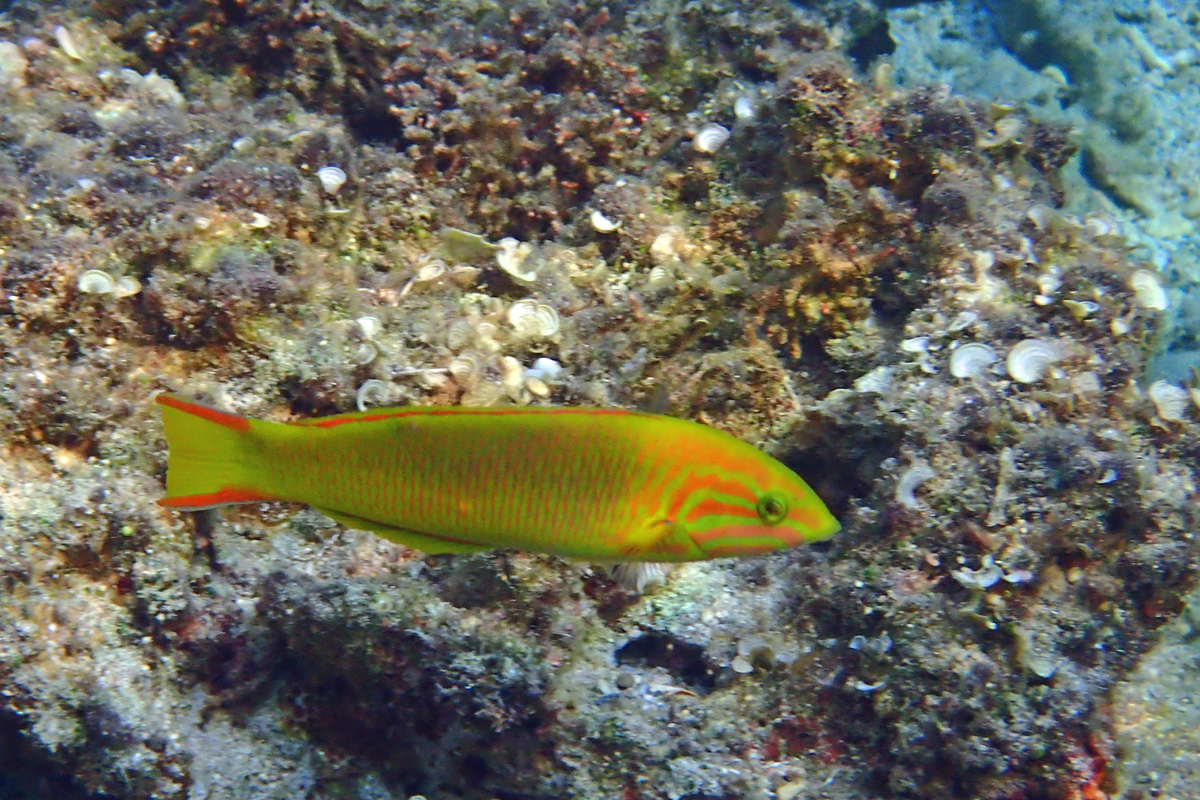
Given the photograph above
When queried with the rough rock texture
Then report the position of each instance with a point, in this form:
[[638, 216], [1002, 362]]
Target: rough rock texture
[[1009, 546]]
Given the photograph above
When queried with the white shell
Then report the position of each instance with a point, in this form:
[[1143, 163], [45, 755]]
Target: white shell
[[910, 480], [369, 325], [511, 257], [536, 386], [96, 281], [744, 109], [1029, 360], [12, 65], [430, 271], [512, 376], [126, 287], [1148, 290], [603, 224], [710, 138], [659, 277], [987, 575], [459, 334], [332, 179], [972, 360], [545, 368], [372, 392], [67, 42], [463, 369], [530, 318], [1169, 400]]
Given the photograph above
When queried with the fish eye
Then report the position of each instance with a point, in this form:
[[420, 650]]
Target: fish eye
[[772, 508]]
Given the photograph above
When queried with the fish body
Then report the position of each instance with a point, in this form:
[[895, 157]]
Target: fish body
[[599, 484]]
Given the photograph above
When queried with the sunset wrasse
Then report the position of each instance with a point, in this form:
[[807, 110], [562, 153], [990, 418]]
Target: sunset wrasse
[[598, 484]]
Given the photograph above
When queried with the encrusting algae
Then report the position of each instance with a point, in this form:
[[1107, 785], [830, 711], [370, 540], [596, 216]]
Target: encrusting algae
[[588, 483]]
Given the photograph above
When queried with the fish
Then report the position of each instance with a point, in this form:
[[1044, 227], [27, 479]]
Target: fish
[[598, 484]]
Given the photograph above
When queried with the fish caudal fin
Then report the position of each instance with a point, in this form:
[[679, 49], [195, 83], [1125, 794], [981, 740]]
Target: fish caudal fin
[[211, 461]]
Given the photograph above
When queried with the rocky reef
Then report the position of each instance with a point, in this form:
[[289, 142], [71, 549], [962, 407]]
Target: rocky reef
[[293, 209]]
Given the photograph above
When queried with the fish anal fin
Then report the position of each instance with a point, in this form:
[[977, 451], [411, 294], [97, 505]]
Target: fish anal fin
[[425, 542]]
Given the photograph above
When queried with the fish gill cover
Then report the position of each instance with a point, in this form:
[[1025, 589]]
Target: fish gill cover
[[702, 208]]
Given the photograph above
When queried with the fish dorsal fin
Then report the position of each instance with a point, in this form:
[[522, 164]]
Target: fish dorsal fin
[[425, 542]]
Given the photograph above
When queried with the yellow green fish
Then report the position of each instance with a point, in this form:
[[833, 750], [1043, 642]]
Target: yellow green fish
[[599, 484]]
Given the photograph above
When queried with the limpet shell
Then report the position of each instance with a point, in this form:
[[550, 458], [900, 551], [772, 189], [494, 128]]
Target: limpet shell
[[511, 257], [1030, 360], [1148, 290], [332, 179], [463, 369], [602, 224], [430, 271], [530, 318], [710, 138], [126, 287], [1170, 401], [972, 360], [96, 281]]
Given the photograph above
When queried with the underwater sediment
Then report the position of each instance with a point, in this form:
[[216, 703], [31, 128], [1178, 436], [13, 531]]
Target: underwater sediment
[[697, 208]]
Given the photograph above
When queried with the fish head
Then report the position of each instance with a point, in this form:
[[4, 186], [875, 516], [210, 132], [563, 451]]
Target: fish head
[[739, 514]]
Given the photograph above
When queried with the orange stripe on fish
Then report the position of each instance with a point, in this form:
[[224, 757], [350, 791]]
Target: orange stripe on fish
[[223, 418], [439, 411], [220, 498]]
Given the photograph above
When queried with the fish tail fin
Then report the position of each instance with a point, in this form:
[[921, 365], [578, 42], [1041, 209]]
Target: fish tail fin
[[212, 460]]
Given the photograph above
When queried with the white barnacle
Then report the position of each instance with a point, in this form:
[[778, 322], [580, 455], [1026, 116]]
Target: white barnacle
[[910, 480], [1030, 360], [511, 257], [602, 224], [96, 281], [1148, 290], [332, 179], [710, 138], [972, 360], [1170, 401]]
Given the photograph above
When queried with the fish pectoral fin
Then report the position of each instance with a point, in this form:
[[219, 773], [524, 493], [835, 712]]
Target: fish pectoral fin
[[664, 540], [425, 542]]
